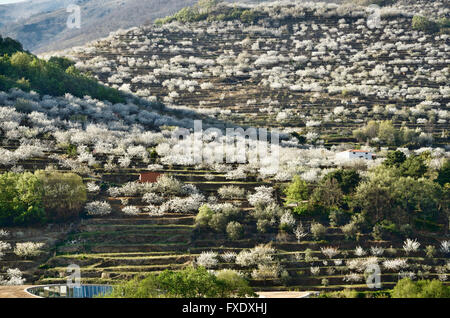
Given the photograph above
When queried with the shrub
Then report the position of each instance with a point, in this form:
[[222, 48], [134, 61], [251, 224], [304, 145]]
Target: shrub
[[430, 251], [346, 293], [445, 247], [287, 222], [300, 232], [228, 256], [234, 283], [3, 247], [231, 192], [64, 194], [98, 208], [235, 230], [248, 16], [14, 277], [262, 197], [9, 46], [131, 210], [62, 62], [261, 254], [350, 230], [406, 288], [267, 271], [309, 255], [410, 246], [423, 24], [318, 230], [297, 190], [168, 185], [28, 249], [263, 225], [207, 259], [204, 216], [394, 159], [330, 251], [218, 222]]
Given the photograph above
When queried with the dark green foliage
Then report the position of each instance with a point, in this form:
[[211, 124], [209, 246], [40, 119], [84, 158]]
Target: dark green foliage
[[301, 139], [406, 288], [444, 174], [235, 230], [187, 283], [63, 62], [394, 159], [383, 230], [348, 180], [153, 154], [9, 46], [414, 167], [389, 196], [423, 24], [328, 193], [313, 210], [383, 3], [71, 150], [55, 77]]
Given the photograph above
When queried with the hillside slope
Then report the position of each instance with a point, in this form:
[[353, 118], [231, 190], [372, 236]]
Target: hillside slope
[[41, 24], [318, 69], [47, 30]]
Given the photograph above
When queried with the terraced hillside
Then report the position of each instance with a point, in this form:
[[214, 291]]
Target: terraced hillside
[[300, 216], [307, 67]]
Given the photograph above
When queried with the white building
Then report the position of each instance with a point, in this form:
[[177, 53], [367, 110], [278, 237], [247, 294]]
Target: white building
[[356, 154]]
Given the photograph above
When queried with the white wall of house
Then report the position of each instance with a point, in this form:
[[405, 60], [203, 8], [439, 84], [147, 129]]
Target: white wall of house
[[355, 155]]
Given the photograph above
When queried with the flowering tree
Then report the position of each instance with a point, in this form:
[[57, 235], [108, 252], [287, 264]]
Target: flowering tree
[[98, 208], [207, 259], [28, 249]]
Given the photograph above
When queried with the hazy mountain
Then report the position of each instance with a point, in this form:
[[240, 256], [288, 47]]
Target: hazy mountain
[[47, 29], [10, 13]]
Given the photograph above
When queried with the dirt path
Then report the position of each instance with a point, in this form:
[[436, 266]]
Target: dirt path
[[14, 292]]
